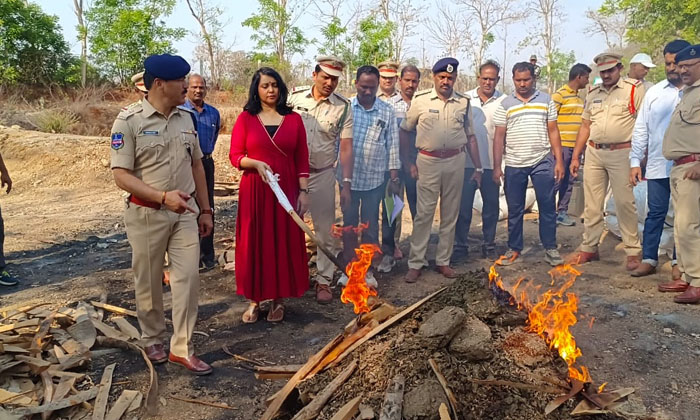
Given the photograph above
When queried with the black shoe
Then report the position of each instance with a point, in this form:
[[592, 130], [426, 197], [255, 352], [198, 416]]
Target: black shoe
[[205, 266], [6, 279]]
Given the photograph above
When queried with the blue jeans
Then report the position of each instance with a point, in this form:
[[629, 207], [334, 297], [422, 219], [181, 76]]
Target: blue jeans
[[658, 194], [542, 175], [364, 208], [565, 185], [489, 212]]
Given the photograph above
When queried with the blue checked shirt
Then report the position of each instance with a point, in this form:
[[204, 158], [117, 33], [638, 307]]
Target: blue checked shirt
[[208, 126], [375, 144]]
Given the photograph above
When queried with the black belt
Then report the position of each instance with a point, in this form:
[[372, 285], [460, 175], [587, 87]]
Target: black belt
[[207, 156]]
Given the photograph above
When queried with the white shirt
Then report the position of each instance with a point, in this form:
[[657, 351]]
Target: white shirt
[[649, 128], [484, 128]]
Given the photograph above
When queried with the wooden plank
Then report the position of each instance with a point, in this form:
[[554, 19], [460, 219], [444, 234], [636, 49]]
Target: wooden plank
[[282, 395], [63, 374], [344, 345], [396, 318], [276, 372], [79, 398], [21, 324], [16, 398], [451, 399], [113, 309], [136, 403], [103, 395], [7, 348], [444, 412], [126, 327], [312, 410], [38, 340], [348, 411], [36, 365], [109, 331], [123, 403], [84, 333], [393, 400], [63, 387]]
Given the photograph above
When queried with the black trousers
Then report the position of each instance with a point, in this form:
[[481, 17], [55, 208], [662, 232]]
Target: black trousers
[[206, 244], [2, 243]]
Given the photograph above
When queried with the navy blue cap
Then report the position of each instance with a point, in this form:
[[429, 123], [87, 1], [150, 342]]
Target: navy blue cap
[[166, 66], [447, 64], [688, 53]]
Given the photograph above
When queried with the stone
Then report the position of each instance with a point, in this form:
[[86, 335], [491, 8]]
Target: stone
[[442, 325], [366, 412], [668, 331], [423, 401], [473, 341]]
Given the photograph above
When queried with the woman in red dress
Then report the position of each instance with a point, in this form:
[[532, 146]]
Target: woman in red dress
[[271, 260]]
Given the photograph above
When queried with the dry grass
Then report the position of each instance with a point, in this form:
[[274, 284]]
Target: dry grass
[[56, 120]]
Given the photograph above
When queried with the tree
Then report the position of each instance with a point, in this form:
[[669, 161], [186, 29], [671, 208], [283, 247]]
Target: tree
[[32, 48], [210, 28], [448, 30], [404, 18], [612, 25], [275, 29], [551, 17], [82, 37], [336, 39], [125, 32], [374, 38]]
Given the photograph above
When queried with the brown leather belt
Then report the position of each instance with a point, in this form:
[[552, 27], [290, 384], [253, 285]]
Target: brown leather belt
[[317, 170], [442, 153], [610, 146], [144, 203], [687, 159]]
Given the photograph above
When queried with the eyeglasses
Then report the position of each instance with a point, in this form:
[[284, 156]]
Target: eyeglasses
[[687, 66]]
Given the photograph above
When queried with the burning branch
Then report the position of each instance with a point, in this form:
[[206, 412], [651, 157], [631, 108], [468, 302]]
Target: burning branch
[[357, 291]]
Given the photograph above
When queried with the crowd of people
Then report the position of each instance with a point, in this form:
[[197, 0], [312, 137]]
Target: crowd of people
[[386, 143]]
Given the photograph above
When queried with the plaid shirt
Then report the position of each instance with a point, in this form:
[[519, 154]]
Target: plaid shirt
[[208, 126], [375, 144]]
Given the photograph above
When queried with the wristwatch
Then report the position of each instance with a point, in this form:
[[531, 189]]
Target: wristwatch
[[480, 170], [304, 190], [348, 180], [207, 211], [395, 180]]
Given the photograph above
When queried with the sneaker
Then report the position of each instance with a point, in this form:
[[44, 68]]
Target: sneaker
[[6, 279], [205, 266], [388, 262], [509, 258], [553, 258], [343, 280], [371, 281], [564, 219]]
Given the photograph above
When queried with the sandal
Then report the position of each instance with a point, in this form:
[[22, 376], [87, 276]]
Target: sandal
[[250, 316], [276, 313]]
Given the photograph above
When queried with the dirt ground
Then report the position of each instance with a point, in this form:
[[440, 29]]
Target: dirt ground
[[65, 241]]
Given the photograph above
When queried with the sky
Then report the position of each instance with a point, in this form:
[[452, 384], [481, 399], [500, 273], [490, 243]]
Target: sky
[[238, 37]]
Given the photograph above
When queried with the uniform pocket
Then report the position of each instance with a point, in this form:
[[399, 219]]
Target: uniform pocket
[[690, 114], [149, 148], [428, 121], [188, 141]]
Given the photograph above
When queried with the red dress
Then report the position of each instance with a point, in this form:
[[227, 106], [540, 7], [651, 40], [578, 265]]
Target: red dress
[[271, 259]]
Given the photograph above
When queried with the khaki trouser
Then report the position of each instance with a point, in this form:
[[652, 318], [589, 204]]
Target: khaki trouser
[[443, 179], [151, 233], [685, 194], [603, 168], [322, 209]]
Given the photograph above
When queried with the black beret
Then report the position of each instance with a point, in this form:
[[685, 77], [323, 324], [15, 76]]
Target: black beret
[[166, 66], [688, 53], [447, 64]]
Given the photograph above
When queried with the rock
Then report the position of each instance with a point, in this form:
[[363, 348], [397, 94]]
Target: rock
[[668, 331], [104, 162], [366, 412], [442, 325], [473, 341], [15, 127], [423, 401]]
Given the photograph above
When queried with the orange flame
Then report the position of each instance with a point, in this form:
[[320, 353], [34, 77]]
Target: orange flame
[[551, 314], [337, 231], [356, 290]]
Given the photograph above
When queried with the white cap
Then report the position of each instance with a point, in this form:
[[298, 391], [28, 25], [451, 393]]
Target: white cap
[[643, 59]]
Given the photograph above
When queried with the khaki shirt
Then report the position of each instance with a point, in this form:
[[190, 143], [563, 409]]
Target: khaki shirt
[[384, 97], [158, 150], [681, 138], [438, 124], [326, 121], [609, 113]]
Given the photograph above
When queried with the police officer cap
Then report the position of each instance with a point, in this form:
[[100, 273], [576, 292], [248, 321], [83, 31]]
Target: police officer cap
[[331, 65], [137, 79], [688, 53], [388, 68], [166, 66], [447, 64], [607, 60]]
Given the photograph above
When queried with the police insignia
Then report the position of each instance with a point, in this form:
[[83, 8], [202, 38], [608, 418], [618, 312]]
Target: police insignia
[[449, 68], [117, 141]]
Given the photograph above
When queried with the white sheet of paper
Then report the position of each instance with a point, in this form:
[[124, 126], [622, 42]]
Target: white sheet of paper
[[398, 206], [281, 196]]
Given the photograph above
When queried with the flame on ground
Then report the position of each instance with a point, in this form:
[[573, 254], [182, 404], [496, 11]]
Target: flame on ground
[[551, 314], [337, 231], [357, 291]]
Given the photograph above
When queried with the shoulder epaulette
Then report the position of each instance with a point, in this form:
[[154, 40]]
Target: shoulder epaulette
[[633, 82], [130, 110], [342, 98], [422, 92], [300, 89], [594, 88]]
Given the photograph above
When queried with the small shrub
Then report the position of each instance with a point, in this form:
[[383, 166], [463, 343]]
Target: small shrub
[[56, 121]]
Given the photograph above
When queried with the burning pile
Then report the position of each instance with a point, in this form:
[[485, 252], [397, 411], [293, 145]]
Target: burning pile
[[356, 290]]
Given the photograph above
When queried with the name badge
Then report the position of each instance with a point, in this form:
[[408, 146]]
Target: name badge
[[434, 111], [150, 133], [598, 101], [189, 132]]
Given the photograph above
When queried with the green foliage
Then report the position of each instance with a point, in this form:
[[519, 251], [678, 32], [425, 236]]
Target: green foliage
[[56, 121], [275, 32], [559, 65], [32, 48], [125, 32], [375, 41]]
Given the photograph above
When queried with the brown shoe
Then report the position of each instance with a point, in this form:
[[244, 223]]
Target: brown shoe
[[676, 273], [156, 354], [691, 295], [192, 363], [644, 269], [582, 257], [447, 271], [633, 262], [675, 286], [412, 275], [323, 294]]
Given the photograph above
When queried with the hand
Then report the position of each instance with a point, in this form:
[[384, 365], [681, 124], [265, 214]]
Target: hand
[[302, 204], [497, 175], [558, 171], [5, 178], [345, 196], [635, 175], [413, 170], [476, 178], [693, 172], [262, 169], [394, 187], [206, 225], [176, 201], [573, 168]]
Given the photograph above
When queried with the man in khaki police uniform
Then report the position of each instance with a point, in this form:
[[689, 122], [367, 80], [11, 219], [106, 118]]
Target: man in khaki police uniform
[[442, 119], [327, 118], [388, 76], [681, 145], [608, 122], [155, 157]]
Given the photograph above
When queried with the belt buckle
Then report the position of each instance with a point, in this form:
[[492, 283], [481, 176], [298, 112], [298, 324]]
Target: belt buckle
[[441, 153]]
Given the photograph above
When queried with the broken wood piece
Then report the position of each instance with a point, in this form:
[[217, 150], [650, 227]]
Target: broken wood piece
[[38, 340], [7, 348], [383, 326], [103, 395], [444, 412], [451, 399], [276, 372], [109, 331], [576, 387], [340, 348], [136, 403], [531, 387], [381, 313], [245, 359], [16, 398], [348, 411], [200, 402], [63, 374], [9, 365], [84, 333], [9, 313], [21, 324], [282, 395], [79, 398], [113, 309], [36, 365], [100, 311], [47, 381], [63, 388], [126, 327], [393, 400], [122, 404], [312, 410], [610, 401]]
